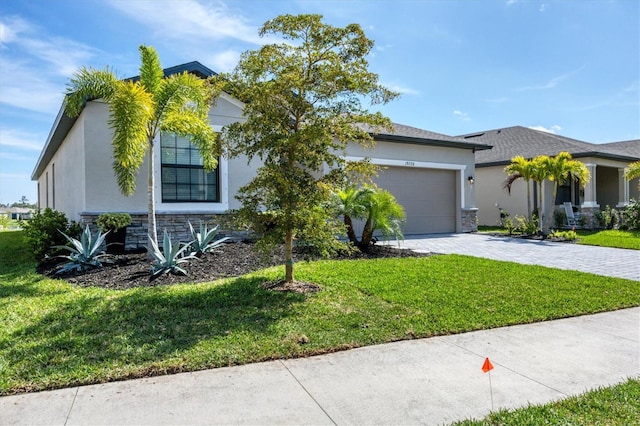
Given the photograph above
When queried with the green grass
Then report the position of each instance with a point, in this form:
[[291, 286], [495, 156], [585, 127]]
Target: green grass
[[616, 405], [491, 229], [53, 334], [611, 238]]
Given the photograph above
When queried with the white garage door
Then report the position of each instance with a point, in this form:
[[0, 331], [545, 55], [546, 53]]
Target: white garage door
[[427, 195]]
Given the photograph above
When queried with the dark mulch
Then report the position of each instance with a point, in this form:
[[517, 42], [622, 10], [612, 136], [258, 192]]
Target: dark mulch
[[231, 260]]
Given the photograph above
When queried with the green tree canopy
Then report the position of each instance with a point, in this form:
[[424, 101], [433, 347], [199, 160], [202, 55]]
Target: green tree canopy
[[140, 110], [304, 103]]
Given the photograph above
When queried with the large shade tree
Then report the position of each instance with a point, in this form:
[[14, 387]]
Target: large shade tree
[[304, 102], [142, 108]]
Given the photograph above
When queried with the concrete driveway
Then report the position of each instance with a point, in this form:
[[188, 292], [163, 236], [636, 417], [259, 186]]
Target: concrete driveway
[[611, 262]]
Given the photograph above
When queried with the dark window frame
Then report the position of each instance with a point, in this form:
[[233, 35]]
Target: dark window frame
[[174, 146]]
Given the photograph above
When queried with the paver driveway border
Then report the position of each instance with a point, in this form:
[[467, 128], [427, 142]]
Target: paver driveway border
[[611, 262]]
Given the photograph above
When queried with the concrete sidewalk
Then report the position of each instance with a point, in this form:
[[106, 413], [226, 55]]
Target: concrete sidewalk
[[607, 261], [428, 381]]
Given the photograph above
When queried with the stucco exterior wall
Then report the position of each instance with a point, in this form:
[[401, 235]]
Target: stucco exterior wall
[[65, 173], [488, 186], [100, 185]]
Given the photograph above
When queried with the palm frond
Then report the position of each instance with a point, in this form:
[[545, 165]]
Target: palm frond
[[151, 72], [131, 111], [88, 84]]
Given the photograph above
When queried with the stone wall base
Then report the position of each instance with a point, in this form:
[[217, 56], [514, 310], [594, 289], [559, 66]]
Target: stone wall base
[[470, 220], [176, 224]]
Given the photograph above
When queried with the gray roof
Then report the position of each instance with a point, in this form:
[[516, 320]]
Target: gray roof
[[631, 147], [407, 134], [529, 143]]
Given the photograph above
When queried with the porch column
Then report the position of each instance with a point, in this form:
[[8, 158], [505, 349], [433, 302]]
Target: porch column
[[623, 189], [590, 188]]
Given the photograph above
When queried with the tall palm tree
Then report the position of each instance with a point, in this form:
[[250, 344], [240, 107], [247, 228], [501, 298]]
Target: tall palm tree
[[633, 171], [520, 168], [140, 110], [561, 168]]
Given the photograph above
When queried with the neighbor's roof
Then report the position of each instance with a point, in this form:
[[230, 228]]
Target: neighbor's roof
[[63, 123], [413, 135], [518, 140]]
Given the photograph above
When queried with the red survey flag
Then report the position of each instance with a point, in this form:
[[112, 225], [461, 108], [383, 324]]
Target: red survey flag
[[487, 366]]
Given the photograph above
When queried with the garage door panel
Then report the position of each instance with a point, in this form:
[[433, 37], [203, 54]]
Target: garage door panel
[[427, 195]]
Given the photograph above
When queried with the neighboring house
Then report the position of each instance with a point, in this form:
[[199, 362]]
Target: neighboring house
[[16, 213], [427, 172], [605, 162]]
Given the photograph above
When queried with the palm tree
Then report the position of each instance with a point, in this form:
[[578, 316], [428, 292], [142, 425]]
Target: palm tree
[[140, 109], [561, 168], [520, 168], [633, 171]]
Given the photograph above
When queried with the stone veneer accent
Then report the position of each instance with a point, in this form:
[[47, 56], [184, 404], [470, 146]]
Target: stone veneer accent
[[589, 216], [176, 224], [470, 220]]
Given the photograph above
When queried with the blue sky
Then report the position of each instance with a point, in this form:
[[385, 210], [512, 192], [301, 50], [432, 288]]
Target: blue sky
[[568, 67]]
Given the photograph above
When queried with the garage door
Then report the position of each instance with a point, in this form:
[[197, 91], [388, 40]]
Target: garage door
[[427, 195]]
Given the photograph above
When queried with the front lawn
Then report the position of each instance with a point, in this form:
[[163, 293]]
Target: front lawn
[[611, 238], [616, 405], [54, 334]]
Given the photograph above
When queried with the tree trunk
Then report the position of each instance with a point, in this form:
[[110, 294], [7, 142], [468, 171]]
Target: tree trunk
[[288, 255], [351, 233], [152, 199], [528, 200], [367, 235]]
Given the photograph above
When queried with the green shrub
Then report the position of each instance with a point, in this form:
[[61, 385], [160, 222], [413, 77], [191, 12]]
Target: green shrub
[[631, 216], [560, 218], [5, 221], [608, 218], [113, 221], [526, 226], [202, 241], [42, 232], [563, 235]]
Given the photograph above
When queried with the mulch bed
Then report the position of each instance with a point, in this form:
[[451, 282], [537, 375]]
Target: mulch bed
[[131, 270]]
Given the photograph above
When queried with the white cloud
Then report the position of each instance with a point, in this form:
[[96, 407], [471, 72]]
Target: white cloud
[[222, 61], [551, 83], [190, 20], [462, 115], [543, 6], [510, 2], [499, 100], [403, 90], [42, 62], [553, 130], [20, 139]]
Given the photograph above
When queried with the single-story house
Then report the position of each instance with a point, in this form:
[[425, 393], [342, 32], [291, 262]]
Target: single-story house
[[16, 213], [430, 174], [605, 162]]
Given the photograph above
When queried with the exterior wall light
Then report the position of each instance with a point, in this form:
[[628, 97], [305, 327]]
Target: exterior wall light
[[470, 180]]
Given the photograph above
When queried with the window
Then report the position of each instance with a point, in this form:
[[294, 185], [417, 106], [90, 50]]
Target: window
[[53, 184], [46, 194], [182, 172]]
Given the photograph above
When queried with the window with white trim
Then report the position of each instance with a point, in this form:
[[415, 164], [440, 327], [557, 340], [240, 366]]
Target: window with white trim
[[183, 176]]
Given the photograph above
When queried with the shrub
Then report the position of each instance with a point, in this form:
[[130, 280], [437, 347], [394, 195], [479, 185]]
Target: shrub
[[560, 218], [84, 252], [631, 216], [113, 221], [5, 221], [42, 232], [526, 226], [608, 218], [563, 235]]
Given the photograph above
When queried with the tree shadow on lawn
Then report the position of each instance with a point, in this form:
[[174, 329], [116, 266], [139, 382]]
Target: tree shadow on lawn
[[138, 330]]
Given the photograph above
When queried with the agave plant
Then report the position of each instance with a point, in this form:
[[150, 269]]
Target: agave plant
[[84, 252], [202, 241], [170, 257]]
